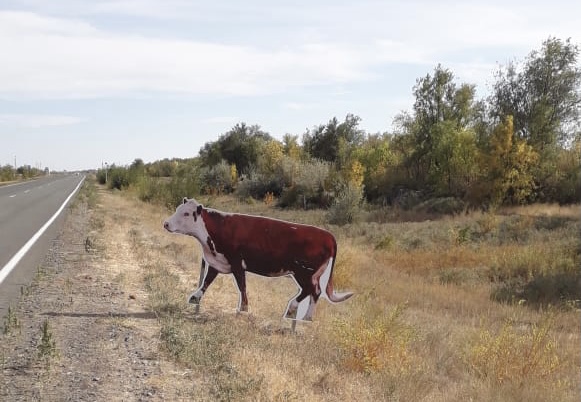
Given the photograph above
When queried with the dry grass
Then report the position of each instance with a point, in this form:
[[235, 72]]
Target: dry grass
[[424, 324]]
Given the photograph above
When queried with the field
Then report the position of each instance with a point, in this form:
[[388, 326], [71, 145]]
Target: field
[[435, 315], [481, 307]]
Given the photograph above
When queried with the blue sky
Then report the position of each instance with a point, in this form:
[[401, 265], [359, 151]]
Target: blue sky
[[87, 82]]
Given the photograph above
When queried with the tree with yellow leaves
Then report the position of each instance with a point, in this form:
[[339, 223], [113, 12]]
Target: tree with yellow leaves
[[509, 166]]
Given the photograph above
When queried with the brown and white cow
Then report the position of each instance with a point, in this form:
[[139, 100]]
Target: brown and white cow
[[235, 243]]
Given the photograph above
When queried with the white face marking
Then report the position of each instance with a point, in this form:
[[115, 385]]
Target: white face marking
[[186, 221]]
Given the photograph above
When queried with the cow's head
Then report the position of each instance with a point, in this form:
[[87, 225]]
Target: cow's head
[[187, 219]]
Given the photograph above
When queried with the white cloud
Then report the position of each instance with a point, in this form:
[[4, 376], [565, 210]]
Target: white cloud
[[221, 120], [262, 49], [301, 105], [48, 57], [37, 120]]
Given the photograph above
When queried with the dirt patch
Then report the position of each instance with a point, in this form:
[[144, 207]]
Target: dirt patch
[[82, 330]]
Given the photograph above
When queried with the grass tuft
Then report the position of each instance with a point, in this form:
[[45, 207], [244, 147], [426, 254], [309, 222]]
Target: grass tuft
[[516, 356], [376, 344], [11, 321]]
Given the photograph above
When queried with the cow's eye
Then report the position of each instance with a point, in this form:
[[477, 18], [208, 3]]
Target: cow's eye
[[186, 214]]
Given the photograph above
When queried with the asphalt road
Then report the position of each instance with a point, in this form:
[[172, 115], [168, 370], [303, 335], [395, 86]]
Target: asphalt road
[[24, 209]]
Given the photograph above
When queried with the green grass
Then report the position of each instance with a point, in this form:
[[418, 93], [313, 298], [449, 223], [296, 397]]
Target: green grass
[[11, 321]]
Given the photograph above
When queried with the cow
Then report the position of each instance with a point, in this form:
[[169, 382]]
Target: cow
[[234, 243]]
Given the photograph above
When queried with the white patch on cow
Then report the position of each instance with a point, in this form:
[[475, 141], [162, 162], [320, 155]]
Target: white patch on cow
[[244, 265], [303, 309], [311, 309], [217, 260], [198, 293], [324, 280]]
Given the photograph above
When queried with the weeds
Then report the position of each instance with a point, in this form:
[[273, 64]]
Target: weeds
[[346, 208], [40, 273], [11, 321], [460, 236], [516, 356], [47, 345], [205, 347], [376, 344], [538, 275], [386, 243], [163, 286]]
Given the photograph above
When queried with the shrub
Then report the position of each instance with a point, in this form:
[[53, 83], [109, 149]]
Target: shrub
[[258, 186], [537, 275], [168, 193], [445, 206], [385, 243], [346, 207], [305, 184], [513, 356], [377, 344], [217, 179]]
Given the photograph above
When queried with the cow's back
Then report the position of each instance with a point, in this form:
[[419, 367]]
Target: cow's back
[[269, 246]]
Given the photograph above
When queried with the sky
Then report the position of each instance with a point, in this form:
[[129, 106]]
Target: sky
[[84, 83]]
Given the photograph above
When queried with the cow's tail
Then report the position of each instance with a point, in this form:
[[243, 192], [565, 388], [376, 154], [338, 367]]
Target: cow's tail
[[326, 282]]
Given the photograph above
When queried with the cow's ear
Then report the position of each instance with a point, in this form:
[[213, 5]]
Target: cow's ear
[[185, 200], [199, 210]]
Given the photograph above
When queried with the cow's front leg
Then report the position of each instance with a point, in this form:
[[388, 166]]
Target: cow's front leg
[[206, 280], [240, 277]]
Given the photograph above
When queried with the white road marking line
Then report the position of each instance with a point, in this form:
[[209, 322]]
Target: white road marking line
[[5, 271], [27, 191], [13, 195]]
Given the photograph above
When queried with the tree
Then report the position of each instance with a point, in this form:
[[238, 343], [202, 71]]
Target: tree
[[7, 173], [291, 146], [543, 95], [375, 156], [509, 166], [334, 141], [240, 146], [136, 170], [270, 157], [455, 153], [441, 122]]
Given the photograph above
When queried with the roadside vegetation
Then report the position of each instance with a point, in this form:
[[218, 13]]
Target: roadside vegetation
[[449, 153], [9, 173]]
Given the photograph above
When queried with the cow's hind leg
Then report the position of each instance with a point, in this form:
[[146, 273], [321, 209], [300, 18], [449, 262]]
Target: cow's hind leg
[[302, 307], [240, 278], [207, 276]]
